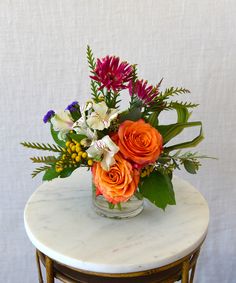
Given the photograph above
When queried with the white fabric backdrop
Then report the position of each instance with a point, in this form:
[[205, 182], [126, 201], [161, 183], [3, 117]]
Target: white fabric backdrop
[[43, 66]]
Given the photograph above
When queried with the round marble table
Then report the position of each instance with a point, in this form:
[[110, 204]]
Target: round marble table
[[77, 245]]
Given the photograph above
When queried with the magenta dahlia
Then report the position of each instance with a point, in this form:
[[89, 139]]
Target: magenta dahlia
[[112, 73], [143, 91]]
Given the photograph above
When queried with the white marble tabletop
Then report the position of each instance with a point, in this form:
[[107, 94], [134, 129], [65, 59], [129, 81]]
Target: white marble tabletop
[[61, 223]]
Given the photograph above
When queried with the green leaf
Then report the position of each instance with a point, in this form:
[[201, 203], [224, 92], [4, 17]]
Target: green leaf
[[182, 113], [133, 114], [50, 174], [168, 132], [194, 142], [77, 137], [183, 116], [67, 172], [55, 137], [75, 114], [153, 119], [190, 166], [158, 189]]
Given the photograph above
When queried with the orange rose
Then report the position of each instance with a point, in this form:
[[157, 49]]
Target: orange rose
[[139, 142], [119, 183]]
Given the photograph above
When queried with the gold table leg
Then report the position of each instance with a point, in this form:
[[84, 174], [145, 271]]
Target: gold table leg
[[39, 267], [49, 269], [185, 271]]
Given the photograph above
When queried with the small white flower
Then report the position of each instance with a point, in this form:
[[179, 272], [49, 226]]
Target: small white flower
[[62, 122], [81, 128], [104, 148], [102, 116]]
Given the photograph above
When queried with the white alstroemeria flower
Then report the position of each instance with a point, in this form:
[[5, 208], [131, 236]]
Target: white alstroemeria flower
[[101, 118], [62, 122], [81, 128], [104, 148]]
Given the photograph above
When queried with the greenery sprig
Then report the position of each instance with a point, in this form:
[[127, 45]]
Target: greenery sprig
[[91, 59], [172, 91], [42, 146], [44, 159], [39, 170]]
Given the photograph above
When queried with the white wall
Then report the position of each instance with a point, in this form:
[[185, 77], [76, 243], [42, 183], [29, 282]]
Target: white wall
[[43, 66]]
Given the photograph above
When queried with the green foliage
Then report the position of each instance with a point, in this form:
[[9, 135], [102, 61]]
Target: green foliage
[[39, 170], [55, 137], [91, 59], [191, 162], [112, 99], [192, 143], [119, 206], [67, 172], [153, 119], [76, 114], [182, 114], [172, 91], [94, 91], [158, 189], [174, 104], [50, 174], [168, 132], [44, 159], [190, 166], [77, 137], [134, 115], [92, 66], [138, 195], [161, 103], [135, 103], [111, 205], [42, 146]]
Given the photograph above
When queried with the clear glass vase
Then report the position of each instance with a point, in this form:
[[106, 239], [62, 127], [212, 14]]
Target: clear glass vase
[[127, 209]]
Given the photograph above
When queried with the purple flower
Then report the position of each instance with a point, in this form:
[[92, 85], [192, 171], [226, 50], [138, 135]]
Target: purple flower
[[48, 116], [73, 106]]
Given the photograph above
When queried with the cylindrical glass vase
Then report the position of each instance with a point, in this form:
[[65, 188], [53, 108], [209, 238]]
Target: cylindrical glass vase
[[127, 209]]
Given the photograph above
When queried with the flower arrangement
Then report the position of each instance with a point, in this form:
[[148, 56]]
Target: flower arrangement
[[127, 151]]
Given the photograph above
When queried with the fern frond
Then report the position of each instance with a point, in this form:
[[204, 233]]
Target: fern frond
[[39, 170], [91, 59], [173, 104], [94, 91], [42, 146], [171, 92], [44, 159]]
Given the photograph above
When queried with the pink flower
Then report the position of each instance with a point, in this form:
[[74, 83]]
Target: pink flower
[[112, 73], [142, 91]]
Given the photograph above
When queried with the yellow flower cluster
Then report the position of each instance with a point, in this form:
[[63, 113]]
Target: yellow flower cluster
[[146, 171], [73, 156]]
